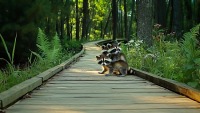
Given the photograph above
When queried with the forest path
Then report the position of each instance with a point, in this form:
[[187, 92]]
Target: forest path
[[80, 89]]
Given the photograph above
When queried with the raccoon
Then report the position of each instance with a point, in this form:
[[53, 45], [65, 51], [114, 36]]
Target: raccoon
[[119, 66], [116, 54], [104, 67], [104, 54], [104, 47]]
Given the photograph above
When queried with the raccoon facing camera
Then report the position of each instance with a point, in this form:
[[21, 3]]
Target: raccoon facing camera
[[119, 66]]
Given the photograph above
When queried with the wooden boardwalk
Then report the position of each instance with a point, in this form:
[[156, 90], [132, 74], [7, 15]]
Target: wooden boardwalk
[[79, 89]]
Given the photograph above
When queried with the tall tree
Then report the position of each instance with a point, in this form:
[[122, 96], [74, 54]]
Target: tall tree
[[177, 17], [68, 10], [77, 21], [160, 8], [125, 20], [114, 18], [130, 31], [85, 19], [144, 21]]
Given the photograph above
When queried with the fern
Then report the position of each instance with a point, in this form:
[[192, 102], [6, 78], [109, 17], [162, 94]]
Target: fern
[[192, 53], [43, 43], [56, 49], [50, 51]]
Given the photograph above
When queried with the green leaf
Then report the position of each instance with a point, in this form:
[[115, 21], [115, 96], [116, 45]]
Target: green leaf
[[5, 47], [13, 51], [38, 55], [197, 61]]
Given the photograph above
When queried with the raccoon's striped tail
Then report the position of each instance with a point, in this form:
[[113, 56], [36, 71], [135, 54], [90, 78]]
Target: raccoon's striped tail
[[131, 71]]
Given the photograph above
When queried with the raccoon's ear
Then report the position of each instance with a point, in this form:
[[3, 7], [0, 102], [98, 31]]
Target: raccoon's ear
[[103, 47], [109, 46], [119, 44], [98, 57]]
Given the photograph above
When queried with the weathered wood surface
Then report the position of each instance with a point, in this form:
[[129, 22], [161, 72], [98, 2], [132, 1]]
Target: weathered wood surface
[[13, 94], [79, 89]]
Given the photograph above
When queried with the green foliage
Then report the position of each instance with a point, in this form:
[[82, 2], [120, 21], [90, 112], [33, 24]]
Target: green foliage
[[50, 53], [73, 46], [48, 50], [170, 59], [10, 56], [191, 53]]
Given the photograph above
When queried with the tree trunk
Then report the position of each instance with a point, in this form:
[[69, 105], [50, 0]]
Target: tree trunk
[[57, 27], [114, 19], [160, 15], [169, 16], [85, 19], [130, 31], [106, 26], [144, 21], [177, 18], [125, 21], [77, 21], [68, 18], [62, 25]]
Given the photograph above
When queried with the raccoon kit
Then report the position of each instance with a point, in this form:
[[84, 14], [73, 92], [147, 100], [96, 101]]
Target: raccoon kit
[[113, 60], [116, 54], [119, 66]]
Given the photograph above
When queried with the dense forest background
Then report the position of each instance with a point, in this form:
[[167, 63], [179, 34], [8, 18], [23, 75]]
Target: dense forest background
[[91, 20]]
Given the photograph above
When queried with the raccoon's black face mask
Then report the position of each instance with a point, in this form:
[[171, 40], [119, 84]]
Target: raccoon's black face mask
[[115, 51], [104, 62]]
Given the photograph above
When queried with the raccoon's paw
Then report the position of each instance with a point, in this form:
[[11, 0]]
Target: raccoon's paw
[[101, 72], [107, 75]]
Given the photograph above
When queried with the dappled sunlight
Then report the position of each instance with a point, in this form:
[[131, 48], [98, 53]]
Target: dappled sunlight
[[93, 48], [175, 101], [83, 71]]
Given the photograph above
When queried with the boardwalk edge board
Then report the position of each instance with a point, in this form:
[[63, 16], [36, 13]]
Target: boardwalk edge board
[[17, 91], [169, 84], [11, 95]]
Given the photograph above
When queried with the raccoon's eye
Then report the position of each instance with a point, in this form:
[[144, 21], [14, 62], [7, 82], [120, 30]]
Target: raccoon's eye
[[100, 62], [105, 52], [113, 51], [107, 62]]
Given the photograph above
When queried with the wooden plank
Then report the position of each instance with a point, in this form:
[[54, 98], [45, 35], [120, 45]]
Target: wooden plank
[[170, 84], [105, 101], [97, 78], [103, 111], [17, 91], [96, 82], [103, 90], [49, 73], [108, 107], [100, 95], [101, 86]]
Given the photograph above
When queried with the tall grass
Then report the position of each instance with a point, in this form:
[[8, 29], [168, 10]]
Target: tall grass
[[49, 54], [10, 60], [169, 58]]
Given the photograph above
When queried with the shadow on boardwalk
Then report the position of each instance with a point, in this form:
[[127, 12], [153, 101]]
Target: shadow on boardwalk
[[80, 89]]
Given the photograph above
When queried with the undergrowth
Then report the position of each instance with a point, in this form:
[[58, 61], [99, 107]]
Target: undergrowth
[[177, 60], [49, 54]]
